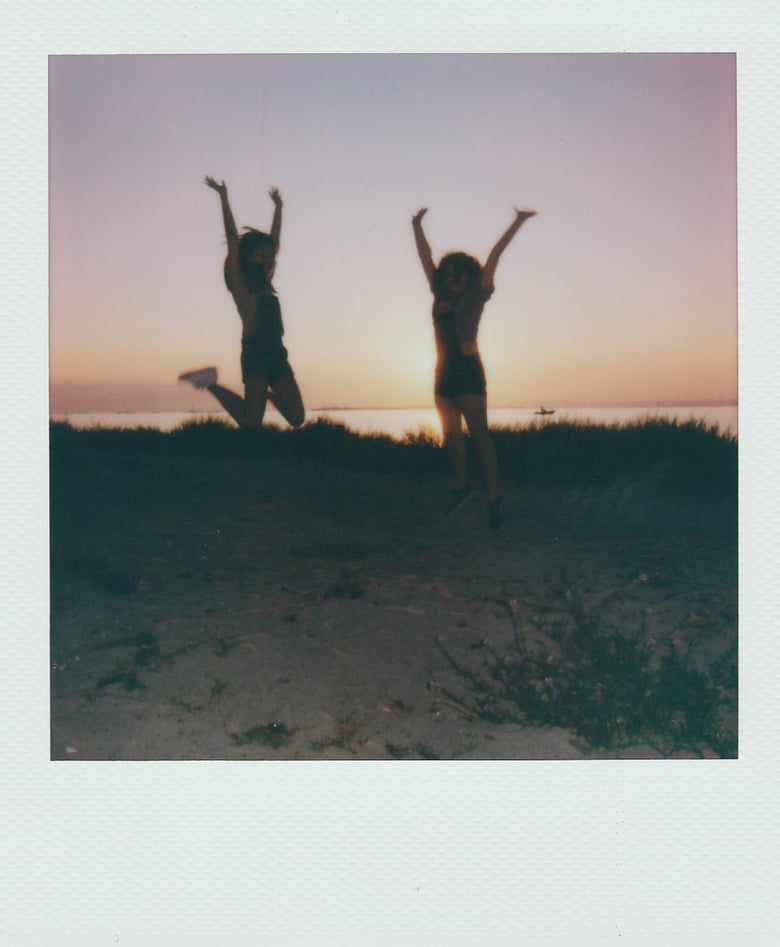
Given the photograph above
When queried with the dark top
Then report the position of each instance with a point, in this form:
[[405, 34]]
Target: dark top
[[460, 317], [268, 318]]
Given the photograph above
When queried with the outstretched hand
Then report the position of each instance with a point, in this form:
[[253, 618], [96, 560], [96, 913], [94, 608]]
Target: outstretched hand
[[220, 188], [419, 215], [276, 197]]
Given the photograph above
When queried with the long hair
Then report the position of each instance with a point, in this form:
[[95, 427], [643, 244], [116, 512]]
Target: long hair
[[461, 264], [247, 243]]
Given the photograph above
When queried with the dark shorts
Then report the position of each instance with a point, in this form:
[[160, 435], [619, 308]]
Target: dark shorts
[[263, 359], [460, 375]]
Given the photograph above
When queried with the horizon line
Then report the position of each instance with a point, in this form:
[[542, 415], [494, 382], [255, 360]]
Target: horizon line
[[725, 403]]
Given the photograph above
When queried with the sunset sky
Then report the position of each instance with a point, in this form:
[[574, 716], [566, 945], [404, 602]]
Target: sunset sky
[[622, 290]]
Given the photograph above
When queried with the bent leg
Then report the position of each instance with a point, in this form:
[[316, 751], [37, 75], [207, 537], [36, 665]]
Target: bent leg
[[474, 409], [247, 411], [286, 398], [452, 431], [231, 402]]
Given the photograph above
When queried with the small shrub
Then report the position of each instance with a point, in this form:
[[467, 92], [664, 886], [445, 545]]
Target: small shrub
[[350, 585], [604, 684], [275, 735]]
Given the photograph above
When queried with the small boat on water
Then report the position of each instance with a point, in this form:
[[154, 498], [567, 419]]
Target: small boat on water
[[543, 410]]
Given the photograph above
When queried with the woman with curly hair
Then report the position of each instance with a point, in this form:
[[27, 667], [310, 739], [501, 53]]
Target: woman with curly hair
[[461, 286]]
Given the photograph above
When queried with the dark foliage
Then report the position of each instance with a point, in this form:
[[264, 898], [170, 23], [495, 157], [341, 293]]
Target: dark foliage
[[608, 685], [692, 456], [275, 735]]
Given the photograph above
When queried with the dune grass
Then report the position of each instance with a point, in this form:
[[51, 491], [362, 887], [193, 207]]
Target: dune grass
[[692, 455]]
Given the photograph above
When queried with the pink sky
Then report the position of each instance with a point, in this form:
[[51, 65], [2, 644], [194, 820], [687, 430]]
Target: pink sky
[[622, 290]]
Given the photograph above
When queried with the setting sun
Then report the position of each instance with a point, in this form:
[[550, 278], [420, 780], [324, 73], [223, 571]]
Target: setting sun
[[613, 293]]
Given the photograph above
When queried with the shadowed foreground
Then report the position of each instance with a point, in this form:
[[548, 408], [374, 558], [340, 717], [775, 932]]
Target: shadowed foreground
[[222, 594]]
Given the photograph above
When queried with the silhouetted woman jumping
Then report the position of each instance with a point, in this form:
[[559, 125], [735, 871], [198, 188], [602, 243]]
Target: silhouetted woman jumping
[[265, 370], [461, 287]]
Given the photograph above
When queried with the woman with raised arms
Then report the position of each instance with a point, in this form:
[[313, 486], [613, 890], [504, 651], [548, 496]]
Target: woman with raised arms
[[461, 286], [265, 369]]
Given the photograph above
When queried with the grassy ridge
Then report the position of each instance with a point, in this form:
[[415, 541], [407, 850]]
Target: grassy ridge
[[692, 455]]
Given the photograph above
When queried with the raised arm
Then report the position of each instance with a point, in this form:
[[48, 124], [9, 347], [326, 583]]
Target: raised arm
[[489, 269], [276, 226], [423, 249], [231, 232]]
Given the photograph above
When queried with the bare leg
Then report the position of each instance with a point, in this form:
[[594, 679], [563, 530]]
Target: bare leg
[[255, 400], [249, 410], [452, 431], [474, 409], [229, 401], [285, 396]]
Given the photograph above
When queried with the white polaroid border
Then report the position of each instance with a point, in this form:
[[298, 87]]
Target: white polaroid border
[[373, 853]]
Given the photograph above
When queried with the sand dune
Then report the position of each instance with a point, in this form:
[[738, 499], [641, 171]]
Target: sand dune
[[234, 608]]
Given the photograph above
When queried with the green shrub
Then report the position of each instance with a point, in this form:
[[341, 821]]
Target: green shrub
[[605, 684]]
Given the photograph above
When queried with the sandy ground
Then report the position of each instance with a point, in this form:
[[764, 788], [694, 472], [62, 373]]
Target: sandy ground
[[236, 609]]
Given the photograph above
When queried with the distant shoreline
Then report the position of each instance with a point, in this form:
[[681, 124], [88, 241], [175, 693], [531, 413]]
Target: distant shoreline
[[559, 406]]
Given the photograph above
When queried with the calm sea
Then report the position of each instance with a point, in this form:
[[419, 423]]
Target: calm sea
[[398, 422]]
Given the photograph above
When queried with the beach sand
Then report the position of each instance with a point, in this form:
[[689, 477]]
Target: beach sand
[[228, 608]]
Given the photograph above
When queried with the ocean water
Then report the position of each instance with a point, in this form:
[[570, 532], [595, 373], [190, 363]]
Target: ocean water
[[399, 422]]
